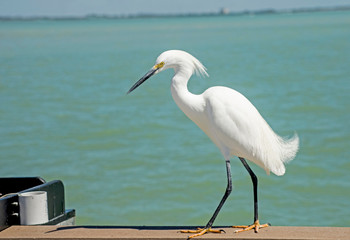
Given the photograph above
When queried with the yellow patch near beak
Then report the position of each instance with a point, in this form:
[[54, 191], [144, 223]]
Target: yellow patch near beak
[[159, 65]]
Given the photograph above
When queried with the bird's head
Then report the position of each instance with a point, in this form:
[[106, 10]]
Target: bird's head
[[175, 59]]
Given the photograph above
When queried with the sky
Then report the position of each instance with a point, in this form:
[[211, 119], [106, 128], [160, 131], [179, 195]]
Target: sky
[[54, 8]]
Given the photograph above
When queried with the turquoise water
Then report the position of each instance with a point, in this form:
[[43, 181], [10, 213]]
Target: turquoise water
[[136, 159]]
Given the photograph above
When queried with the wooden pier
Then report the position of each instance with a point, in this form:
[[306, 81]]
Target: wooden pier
[[171, 233]]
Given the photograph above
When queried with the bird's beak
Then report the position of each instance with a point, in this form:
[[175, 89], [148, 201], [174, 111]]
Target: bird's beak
[[149, 74]]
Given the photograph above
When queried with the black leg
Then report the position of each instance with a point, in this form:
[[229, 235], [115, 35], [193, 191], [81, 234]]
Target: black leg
[[227, 193], [255, 186], [201, 231]]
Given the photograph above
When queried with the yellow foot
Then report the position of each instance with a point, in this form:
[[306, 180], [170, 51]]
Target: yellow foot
[[201, 231], [256, 226]]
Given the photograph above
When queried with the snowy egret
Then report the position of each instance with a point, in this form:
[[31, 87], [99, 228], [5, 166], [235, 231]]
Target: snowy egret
[[231, 121]]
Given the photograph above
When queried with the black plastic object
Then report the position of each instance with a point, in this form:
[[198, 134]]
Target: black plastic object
[[18, 184], [11, 187]]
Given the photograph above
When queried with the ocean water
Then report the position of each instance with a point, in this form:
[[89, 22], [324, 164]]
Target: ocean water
[[136, 159]]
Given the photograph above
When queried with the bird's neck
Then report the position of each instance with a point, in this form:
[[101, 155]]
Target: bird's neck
[[188, 102]]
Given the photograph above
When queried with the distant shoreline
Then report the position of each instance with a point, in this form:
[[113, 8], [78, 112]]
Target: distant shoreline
[[223, 12]]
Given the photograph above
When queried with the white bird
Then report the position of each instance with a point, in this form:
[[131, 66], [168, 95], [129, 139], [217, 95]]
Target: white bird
[[231, 121]]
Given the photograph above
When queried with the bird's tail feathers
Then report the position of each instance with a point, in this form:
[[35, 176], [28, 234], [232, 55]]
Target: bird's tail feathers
[[288, 148]]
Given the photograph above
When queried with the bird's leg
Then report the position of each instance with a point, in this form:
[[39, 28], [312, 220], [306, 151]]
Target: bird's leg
[[207, 228], [256, 225]]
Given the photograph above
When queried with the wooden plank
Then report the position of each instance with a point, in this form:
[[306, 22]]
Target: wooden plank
[[147, 233]]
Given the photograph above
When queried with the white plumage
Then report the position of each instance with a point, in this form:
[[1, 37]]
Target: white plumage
[[228, 118], [231, 121]]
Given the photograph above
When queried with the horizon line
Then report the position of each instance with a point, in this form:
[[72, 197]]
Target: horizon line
[[222, 12]]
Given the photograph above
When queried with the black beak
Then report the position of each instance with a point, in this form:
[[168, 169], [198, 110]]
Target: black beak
[[149, 74]]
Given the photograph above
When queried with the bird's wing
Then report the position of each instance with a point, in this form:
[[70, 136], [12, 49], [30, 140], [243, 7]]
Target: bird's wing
[[237, 125]]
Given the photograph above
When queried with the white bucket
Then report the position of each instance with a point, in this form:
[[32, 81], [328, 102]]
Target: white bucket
[[33, 208]]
